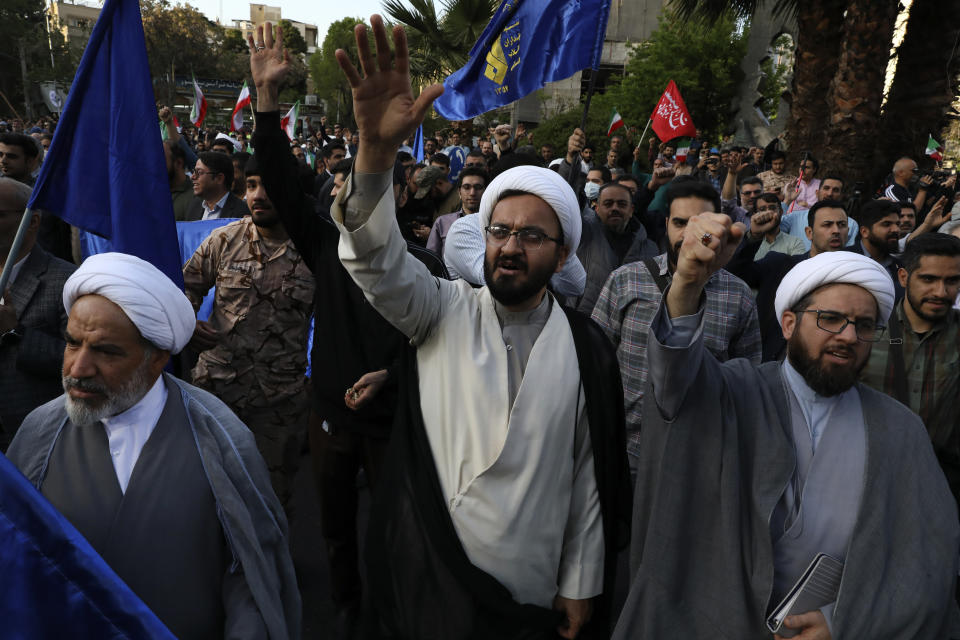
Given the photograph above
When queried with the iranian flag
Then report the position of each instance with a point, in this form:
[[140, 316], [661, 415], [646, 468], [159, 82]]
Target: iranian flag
[[616, 121], [199, 110], [934, 149], [236, 120], [683, 149], [289, 122]]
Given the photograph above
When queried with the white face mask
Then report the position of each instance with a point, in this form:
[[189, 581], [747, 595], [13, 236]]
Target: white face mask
[[591, 190]]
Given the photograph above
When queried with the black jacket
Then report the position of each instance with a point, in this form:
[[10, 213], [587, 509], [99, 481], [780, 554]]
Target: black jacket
[[765, 276], [234, 207], [350, 338]]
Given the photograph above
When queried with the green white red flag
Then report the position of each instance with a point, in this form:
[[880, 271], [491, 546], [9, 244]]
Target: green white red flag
[[199, 110], [289, 122], [934, 149], [243, 101], [616, 121]]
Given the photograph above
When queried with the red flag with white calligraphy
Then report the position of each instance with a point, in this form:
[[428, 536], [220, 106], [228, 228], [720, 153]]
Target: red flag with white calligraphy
[[671, 118]]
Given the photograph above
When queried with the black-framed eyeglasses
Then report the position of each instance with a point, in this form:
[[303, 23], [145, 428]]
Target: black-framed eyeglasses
[[499, 235], [835, 322], [201, 172]]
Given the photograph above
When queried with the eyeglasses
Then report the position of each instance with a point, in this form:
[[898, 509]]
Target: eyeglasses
[[532, 239], [201, 172], [835, 322]]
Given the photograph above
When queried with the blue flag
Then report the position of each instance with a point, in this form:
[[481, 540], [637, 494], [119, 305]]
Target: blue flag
[[54, 584], [105, 171], [527, 44], [418, 145]]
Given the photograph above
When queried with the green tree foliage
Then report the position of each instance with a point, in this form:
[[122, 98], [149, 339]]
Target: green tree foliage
[[557, 129], [439, 43], [775, 68], [292, 39], [329, 82], [704, 61], [23, 28], [234, 42]]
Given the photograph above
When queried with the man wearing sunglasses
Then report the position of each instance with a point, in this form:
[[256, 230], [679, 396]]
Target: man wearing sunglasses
[[737, 495]]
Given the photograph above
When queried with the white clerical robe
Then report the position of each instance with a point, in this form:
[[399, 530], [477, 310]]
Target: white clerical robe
[[519, 481]]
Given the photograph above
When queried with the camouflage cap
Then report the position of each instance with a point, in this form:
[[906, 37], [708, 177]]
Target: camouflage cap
[[427, 177]]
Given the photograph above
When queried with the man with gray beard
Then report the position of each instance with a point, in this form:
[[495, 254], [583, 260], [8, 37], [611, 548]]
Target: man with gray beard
[[159, 476]]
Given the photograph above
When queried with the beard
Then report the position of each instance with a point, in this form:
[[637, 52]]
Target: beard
[[512, 290], [887, 242], [916, 303], [83, 413], [826, 379]]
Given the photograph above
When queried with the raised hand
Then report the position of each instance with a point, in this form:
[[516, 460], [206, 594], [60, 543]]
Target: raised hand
[[383, 103], [269, 64], [709, 241]]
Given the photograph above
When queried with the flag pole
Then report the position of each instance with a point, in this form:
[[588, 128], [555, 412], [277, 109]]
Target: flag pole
[[15, 251], [649, 120]]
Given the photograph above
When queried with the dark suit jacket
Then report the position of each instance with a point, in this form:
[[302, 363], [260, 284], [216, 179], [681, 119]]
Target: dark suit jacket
[[765, 276], [31, 368], [234, 207]]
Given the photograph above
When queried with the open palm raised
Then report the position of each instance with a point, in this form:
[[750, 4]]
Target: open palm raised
[[383, 103]]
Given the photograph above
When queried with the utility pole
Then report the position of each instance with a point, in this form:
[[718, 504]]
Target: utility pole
[[26, 82]]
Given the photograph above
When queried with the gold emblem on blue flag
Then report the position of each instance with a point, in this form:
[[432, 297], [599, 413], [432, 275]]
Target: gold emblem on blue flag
[[504, 56]]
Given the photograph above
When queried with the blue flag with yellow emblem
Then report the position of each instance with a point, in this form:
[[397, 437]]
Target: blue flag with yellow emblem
[[527, 44]]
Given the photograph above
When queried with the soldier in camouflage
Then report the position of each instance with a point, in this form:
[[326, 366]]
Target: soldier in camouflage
[[253, 353]]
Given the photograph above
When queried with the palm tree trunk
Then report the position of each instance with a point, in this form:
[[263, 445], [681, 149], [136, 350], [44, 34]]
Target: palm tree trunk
[[856, 92], [925, 83], [818, 48]]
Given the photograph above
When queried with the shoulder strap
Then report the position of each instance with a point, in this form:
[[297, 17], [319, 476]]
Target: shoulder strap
[[895, 359], [654, 270]]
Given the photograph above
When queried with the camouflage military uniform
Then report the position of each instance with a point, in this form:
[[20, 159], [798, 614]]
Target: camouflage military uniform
[[262, 307]]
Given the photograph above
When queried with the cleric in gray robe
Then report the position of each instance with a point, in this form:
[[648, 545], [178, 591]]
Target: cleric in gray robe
[[748, 473], [159, 476]]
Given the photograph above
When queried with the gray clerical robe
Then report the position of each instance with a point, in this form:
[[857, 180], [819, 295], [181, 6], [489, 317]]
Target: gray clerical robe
[[199, 534], [713, 466]]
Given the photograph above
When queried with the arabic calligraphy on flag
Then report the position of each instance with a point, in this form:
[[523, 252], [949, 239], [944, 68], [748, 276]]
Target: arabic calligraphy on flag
[[670, 118]]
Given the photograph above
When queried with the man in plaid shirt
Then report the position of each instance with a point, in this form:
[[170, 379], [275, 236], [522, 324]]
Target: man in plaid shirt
[[919, 364], [632, 293]]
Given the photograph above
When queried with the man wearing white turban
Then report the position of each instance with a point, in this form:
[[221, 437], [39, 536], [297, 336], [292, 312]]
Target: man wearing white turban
[[738, 493], [159, 476], [500, 502]]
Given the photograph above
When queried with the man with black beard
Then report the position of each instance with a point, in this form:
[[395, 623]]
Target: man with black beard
[[500, 502], [253, 346], [748, 474], [163, 481], [880, 237], [918, 366]]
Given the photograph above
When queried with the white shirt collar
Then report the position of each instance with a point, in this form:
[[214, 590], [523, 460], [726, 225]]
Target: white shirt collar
[[208, 212], [128, 431]]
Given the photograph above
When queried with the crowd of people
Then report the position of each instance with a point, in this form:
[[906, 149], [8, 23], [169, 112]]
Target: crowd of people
[[704, 370]]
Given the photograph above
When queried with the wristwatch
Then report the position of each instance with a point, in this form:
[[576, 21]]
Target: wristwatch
[[12, 337]]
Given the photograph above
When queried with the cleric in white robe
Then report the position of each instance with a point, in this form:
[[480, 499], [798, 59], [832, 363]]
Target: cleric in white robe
[[500, 501], [159, 476], [748, 473]]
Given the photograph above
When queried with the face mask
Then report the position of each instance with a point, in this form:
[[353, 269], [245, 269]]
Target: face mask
[[591, 190]]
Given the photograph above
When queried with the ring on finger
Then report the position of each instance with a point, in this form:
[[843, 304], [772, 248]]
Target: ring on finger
[[259, 46], [706, 238]]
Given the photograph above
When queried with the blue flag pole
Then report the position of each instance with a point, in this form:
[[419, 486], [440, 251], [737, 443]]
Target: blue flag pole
[[105, 172]]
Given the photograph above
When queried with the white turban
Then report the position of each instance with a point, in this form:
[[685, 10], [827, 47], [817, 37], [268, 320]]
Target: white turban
[[158, 308], [546, 185], [836, 267]]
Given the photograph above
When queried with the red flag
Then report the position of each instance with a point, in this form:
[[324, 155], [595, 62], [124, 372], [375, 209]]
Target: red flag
[[671, 118]]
